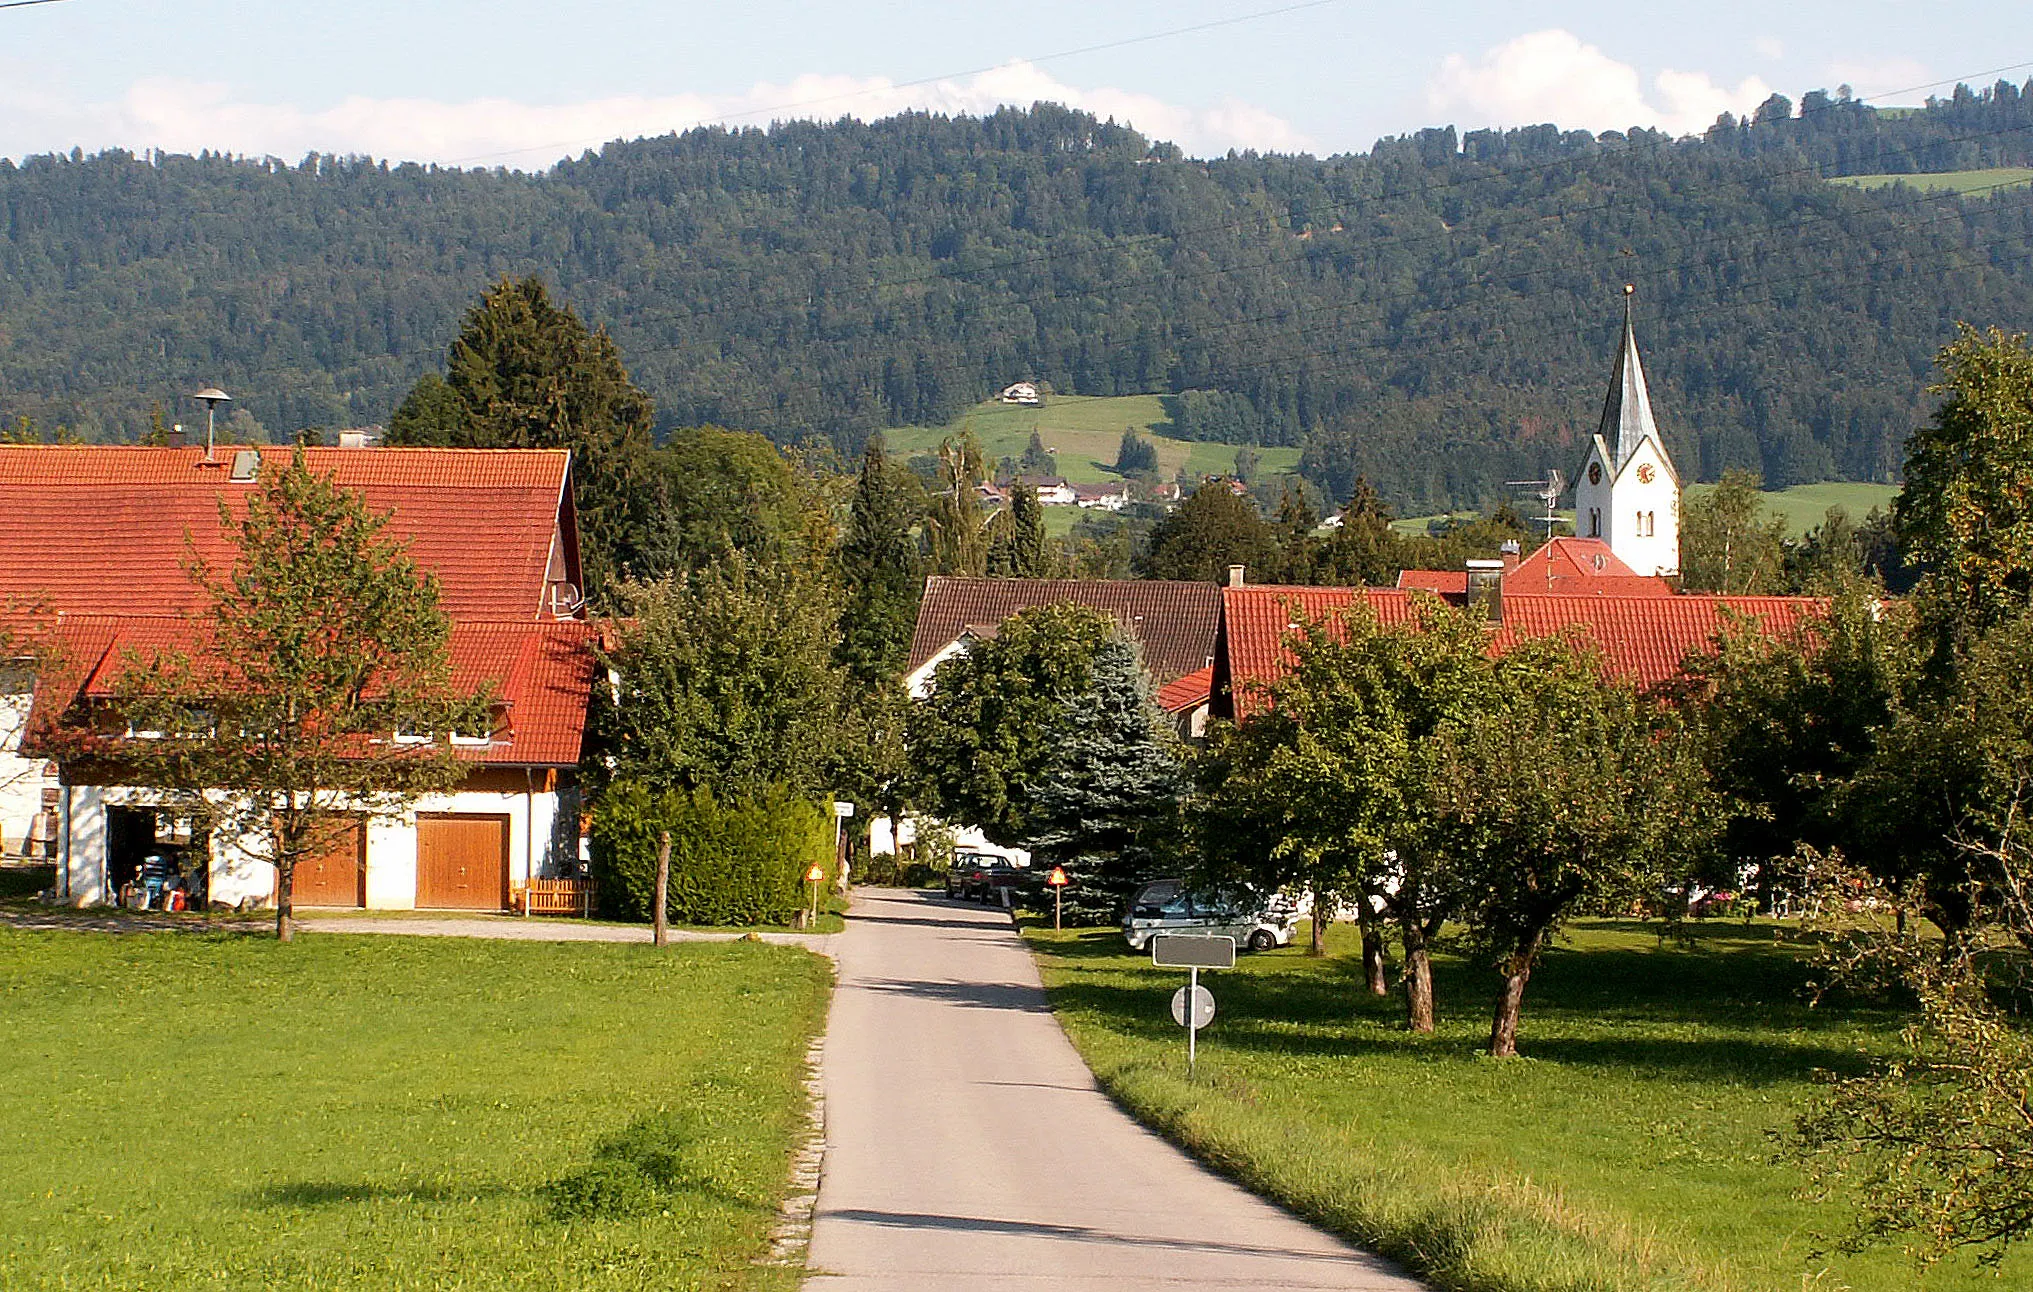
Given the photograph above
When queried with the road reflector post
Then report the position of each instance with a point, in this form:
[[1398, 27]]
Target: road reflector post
[[1057, 880], [1193, 1005], [813, 877]]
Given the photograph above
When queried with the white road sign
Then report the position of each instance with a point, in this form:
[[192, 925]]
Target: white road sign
[[1203, 1007]]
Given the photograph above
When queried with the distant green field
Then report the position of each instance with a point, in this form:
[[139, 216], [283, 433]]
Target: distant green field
[[1083, 433], [1802, 507], [1952, 181], [1805, 506]]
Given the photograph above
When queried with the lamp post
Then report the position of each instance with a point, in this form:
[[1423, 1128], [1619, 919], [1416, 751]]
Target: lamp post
[[211, 397]]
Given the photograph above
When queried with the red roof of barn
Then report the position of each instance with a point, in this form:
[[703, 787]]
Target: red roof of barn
[[541, 673], [1643, 639], [1174, 622], [98, 529]]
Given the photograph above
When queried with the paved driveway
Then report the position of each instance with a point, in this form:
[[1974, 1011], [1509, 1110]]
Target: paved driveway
[[968, 1147]]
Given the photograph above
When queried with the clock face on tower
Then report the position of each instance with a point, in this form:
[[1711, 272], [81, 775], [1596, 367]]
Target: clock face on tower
[[1595, 473], [1645, 473]]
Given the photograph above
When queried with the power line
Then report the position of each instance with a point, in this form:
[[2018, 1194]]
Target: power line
[[23, 4]]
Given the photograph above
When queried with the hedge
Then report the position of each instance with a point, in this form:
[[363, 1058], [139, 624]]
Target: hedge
[[740, 862]]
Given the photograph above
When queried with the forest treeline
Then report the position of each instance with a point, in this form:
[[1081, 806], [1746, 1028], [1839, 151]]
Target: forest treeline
[[1435, 315]]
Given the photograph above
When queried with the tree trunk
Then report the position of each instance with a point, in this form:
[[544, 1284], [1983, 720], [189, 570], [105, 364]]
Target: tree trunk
[[1517, 970], [1418, 976], [1372, 949], [285, 877], [663, 888], [1320, 912]]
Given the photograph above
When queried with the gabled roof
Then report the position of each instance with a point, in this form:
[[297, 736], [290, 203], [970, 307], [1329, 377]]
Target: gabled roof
[[1569, 566], [541, 673], [101, 529], [1188, 692], [1174, 622], [1580, 567], [1643, 639]]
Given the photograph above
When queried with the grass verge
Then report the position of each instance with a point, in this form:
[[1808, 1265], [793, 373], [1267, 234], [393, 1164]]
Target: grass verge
[[1628, 1150], [215, 1110]]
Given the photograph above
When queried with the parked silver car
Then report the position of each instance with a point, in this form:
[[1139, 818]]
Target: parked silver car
[[1253, 920]]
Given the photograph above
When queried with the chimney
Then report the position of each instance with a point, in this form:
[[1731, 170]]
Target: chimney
[[1511, 554], [1235, 576], [176, 436], [1486, 589]]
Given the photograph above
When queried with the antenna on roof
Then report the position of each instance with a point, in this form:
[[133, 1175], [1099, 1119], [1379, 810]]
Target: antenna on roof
[[211, 397], [1546, 491]]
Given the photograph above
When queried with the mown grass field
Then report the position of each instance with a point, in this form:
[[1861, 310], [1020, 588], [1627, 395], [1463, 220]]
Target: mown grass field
[[203, 1110], [1993, 180], [1083, 433], [1628, 1149]]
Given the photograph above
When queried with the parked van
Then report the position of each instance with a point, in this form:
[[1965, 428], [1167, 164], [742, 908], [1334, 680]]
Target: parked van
[[1256, 922]]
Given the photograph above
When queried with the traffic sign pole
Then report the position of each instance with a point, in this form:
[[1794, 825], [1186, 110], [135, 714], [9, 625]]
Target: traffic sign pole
[[1192, 1022], [1057, 881]]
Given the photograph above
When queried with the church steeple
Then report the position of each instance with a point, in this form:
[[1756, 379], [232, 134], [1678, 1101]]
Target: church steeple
[[1627, 412]]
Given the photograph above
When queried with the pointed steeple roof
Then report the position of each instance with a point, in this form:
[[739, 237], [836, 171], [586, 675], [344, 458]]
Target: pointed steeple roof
[[1627, 413]]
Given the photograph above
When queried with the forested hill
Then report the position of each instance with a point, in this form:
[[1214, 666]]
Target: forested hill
[[1437, 313]]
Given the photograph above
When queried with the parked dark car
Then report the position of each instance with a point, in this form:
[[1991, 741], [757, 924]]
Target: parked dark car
[[981, 877]]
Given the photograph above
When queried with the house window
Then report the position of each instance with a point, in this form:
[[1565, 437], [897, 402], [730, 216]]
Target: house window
[[1595, 522]]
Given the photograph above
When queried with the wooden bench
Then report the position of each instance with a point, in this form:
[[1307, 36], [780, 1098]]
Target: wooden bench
[[553, 897]]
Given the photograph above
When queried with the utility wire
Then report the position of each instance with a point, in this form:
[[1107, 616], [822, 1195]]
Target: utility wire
[[23, 4]]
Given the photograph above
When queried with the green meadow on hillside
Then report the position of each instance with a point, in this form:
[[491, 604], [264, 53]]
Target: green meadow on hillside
[[1805, 506], [1992, 180], [1083, 432]]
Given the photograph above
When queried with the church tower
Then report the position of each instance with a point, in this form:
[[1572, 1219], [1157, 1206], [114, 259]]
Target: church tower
[[1627, 493]]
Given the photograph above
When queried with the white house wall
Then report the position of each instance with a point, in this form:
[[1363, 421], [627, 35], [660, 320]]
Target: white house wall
[[21, 779], [541, 827]]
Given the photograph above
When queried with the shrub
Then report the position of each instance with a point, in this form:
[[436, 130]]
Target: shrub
[[740, 862]]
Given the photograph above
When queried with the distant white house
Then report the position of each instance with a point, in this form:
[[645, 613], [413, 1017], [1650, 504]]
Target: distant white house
[[1052, 491], [1023, 392], [1108, 497]]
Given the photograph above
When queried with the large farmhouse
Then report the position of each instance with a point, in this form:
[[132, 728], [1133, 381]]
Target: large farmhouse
[[94, 542]]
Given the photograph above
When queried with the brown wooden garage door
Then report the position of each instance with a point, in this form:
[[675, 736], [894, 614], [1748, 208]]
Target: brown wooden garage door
[[337, 874], [462, 862]]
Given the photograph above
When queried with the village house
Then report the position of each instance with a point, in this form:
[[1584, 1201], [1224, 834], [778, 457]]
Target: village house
[[1052, 491], [1106, 497], [93, 546]]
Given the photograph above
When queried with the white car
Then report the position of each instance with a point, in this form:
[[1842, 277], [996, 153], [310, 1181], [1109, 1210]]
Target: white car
[[1165, 906]]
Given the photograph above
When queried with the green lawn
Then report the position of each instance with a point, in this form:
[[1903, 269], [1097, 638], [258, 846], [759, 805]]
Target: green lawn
[[204, 1110], [1628, 1149], [1084, 433], [1993, 180]]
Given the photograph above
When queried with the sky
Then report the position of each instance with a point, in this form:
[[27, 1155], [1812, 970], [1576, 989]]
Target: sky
[[521, 84]]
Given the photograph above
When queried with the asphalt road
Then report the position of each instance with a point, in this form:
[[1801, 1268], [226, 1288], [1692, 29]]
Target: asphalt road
[[967, 1146]]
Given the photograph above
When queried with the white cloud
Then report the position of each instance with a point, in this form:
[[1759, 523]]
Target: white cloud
[[1769, 47], [186, 116], [1552, 76], [1872, 77]]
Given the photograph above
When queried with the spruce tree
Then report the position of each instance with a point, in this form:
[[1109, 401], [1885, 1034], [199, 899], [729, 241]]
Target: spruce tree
[[1110, 813], [1018, 549], [879, 571], [524, 373]]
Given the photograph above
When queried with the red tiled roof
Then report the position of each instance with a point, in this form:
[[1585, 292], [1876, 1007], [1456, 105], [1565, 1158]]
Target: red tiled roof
[[1643, 639], [1581, 566], [541, 673], [97, 529], [1174, 622], [1188, 692], [1570, 566]]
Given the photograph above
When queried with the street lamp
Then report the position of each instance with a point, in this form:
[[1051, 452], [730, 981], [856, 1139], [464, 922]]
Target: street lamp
[[211, 397]]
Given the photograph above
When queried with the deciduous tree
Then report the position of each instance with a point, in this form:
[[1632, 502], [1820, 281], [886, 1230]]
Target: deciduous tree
[[321, 643]]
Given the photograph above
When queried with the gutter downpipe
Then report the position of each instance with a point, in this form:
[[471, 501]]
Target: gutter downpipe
[[528, 840]]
